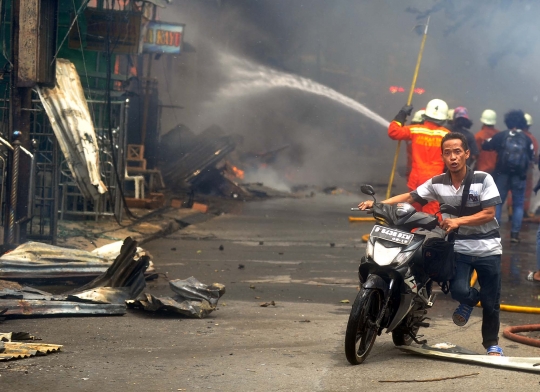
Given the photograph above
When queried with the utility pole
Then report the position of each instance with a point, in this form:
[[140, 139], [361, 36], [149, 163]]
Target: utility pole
[[19, 121], [33, 45]]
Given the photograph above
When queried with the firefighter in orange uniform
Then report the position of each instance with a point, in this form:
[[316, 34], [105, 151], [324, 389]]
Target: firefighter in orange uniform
[[425, 144], [487, 159]]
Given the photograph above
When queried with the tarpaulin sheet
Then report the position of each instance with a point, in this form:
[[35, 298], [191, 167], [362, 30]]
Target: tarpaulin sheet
[[67, 109]]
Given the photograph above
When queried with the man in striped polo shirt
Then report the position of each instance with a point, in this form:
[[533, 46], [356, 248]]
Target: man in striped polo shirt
[[477, 242]]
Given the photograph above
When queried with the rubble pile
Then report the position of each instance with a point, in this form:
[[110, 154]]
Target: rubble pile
[[122, 282]]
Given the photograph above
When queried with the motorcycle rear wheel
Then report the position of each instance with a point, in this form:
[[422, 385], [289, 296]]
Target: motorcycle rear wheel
[[361, 329]]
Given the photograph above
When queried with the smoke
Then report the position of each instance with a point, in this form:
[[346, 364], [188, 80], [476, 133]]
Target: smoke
[[268, 70]]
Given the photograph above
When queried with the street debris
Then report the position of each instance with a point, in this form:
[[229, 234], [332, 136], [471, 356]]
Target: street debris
[[121, 284], [252, 287], [241, 266], [267, 304], [344, 301], [10, 349], [434, 379], [221, 247], [192, 299], [332, 244], [105, 295], [35, 261], [122, 281], [10, 336], [72, 124]]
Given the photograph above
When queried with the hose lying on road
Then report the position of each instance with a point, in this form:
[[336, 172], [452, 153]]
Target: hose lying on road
[[511, 333]]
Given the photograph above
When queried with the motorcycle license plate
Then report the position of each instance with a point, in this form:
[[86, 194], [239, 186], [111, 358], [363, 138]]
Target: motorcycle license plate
[[397, 236]]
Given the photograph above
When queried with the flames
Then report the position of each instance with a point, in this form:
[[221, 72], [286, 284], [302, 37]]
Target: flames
[[239, 173]]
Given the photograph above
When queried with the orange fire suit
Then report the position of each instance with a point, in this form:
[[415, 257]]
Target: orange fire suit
[[426, 153], [487, 159]]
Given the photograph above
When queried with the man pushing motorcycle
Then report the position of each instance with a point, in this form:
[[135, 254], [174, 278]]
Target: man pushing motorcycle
[[477, 239]]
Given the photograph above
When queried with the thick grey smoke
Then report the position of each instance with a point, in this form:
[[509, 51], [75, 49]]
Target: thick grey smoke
[[480, 54]]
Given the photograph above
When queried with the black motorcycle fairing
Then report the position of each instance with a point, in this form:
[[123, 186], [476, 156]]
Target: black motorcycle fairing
[[376, 282], [422, 220], [404, 216]]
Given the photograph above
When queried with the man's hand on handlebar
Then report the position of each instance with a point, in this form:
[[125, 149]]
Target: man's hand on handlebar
[[365, 205], [449, 224]]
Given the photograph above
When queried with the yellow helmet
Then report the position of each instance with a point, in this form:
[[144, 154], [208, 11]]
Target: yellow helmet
[[489, 117], [529, 119]]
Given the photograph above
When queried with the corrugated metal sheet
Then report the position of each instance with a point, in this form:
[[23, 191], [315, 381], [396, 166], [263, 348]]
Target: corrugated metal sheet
[[13, 350], [38, 261], [72, 124], [122, 281], [192, 299], [32, 308]]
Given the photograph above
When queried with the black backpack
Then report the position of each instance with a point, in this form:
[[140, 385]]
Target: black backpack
[[514, 157]]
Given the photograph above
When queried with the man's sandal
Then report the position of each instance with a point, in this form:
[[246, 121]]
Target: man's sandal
[[461, 314], [530, 277], [496, 351]]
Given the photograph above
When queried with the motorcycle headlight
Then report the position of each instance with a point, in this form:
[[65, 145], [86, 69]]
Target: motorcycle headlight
[[402, 257], [383, 255]]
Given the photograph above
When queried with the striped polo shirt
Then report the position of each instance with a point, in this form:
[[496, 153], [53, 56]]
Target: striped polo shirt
[[483, 240]]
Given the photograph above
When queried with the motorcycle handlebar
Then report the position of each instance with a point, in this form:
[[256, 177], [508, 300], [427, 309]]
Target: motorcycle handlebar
[[368, 210]]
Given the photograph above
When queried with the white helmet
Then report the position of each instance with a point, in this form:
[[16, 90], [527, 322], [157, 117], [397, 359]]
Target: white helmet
[[437, 109], [489, 117], [450, 115], [528, 117], [418, 116]]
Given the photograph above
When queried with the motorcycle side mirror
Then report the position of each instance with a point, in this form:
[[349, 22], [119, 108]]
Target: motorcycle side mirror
[[448, 209], [367, 189]]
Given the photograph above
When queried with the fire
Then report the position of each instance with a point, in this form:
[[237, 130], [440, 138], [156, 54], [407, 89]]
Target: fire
[[239, 173]]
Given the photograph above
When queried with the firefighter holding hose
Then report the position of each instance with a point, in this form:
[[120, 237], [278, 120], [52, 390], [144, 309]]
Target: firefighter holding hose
[[425, 144]]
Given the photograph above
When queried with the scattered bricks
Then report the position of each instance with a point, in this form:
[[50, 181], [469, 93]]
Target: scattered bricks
[[200, 207], [176, 203]]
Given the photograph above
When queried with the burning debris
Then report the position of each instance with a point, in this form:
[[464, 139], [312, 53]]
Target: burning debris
[[204, 163]]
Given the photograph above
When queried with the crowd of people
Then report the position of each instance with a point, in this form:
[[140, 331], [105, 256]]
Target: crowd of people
[[425, 131], [446, 158]]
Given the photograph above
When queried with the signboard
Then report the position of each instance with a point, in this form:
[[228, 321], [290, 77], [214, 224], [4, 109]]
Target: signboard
[[161, 37], [122, 28]]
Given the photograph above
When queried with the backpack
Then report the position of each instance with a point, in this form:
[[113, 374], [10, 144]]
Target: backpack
[[515, 154]]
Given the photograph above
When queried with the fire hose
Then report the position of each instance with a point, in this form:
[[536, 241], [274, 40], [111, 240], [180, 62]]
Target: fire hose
[[512, 332]]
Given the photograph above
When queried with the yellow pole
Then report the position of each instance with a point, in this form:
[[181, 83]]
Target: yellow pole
[[409, 100]]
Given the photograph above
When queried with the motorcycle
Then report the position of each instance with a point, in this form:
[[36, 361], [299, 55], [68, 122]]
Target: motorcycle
[[395, 292]]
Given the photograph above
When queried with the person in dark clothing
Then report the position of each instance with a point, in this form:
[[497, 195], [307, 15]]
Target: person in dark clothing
[[461, 124], [515, 151]]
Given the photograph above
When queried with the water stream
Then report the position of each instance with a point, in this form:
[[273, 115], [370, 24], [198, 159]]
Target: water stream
[[250, 78]]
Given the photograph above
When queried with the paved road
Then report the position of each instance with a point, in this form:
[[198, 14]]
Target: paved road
[[284, 248]]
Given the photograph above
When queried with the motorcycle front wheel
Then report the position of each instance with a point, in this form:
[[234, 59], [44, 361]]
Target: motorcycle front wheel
[[361, 328]]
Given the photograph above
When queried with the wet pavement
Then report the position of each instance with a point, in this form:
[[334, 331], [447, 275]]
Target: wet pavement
[[517, 261], [279, 250]]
